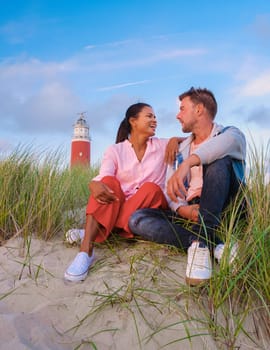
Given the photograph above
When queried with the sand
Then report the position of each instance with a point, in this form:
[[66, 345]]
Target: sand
[[130, 300]]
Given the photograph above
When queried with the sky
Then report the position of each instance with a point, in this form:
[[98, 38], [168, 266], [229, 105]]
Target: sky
[[59, 58]]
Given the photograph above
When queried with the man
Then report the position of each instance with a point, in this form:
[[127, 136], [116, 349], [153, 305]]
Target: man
[[207, 174]]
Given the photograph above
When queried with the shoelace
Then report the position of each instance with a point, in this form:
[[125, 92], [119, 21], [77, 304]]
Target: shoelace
[[198, 258]]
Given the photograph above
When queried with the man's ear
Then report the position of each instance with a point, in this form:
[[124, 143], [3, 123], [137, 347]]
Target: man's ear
[[199, 108]]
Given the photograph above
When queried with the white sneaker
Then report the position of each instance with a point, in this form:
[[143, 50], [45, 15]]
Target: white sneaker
[[199, 265], [74, 235], [78, 269], [231, 253]]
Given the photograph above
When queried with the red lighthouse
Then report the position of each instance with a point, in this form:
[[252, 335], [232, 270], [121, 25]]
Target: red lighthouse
[[80, 144]]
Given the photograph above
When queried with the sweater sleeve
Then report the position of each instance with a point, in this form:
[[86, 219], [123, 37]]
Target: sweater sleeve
[[108, 165], [231, 143]]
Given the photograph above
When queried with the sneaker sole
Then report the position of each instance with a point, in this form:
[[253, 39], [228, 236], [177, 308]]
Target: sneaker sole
[[73, 244], [75, 278], [196, 281], [71, 241]]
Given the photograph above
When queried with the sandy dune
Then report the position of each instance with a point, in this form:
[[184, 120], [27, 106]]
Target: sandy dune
[[130, 300]]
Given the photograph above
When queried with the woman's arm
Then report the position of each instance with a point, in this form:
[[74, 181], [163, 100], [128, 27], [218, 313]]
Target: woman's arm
[[101, 192], [108, 164], [172, 149]]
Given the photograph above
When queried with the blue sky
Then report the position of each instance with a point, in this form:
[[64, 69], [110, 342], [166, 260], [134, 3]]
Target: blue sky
[[58, 58]]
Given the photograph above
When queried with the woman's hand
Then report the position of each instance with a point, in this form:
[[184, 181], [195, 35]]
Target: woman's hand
[[172, 149], [102, 193], [190, 212]]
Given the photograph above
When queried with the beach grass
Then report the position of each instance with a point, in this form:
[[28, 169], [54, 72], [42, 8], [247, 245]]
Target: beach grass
[[40, 196]]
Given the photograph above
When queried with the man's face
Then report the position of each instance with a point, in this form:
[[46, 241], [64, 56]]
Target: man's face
[[187, 115]]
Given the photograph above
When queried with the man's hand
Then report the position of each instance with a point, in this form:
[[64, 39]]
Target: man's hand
[[102, 193], [190, 212], [176, 183], [172, 149]]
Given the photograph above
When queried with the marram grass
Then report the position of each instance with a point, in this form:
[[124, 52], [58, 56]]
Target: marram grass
[[39, 193]]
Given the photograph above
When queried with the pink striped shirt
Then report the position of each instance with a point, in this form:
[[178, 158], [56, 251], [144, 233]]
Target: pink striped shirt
[[121, 161]]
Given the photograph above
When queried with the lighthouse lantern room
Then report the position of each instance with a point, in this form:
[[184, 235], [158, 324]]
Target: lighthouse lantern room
[[80, 144]]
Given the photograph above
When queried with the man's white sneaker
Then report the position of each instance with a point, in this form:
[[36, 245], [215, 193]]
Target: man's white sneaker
[[74, 235], [231, 253], [78, 269], [199, 265]]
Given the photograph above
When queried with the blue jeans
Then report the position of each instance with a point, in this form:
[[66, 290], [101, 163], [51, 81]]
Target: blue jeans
[[220, 186]]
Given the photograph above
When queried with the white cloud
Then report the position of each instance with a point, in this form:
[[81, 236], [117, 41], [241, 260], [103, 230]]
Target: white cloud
[[38, 96], [51, 108], [111, 44], [33, 67], [17, 32], [258, 86], [119, 86], [89, 47], [260, 116], [165, 55], [133, 53]]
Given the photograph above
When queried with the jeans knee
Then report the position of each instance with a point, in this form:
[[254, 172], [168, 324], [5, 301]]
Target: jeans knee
[[135, 218], [132, 222], [218, 168]]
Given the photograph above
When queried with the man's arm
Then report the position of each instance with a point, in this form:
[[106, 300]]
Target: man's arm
[[231, 143]]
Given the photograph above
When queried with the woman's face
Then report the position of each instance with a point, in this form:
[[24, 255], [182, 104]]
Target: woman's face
[[145, 123]]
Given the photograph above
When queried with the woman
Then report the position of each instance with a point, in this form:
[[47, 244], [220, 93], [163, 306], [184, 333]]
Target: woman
[[132, 176]]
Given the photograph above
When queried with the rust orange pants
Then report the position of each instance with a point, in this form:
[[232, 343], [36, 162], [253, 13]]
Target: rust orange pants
[[117, 213]]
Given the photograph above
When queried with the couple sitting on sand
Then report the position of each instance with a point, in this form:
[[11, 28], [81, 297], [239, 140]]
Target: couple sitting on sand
[[138, 194]]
